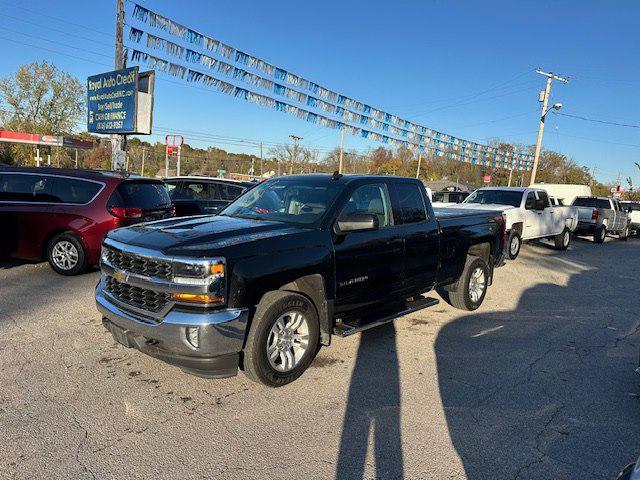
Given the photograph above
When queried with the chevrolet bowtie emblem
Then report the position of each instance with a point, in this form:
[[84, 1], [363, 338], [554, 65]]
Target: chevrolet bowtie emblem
[[120, 276]]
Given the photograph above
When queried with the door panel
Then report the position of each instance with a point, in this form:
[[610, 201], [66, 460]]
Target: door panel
[[369, 267], [421, 237]]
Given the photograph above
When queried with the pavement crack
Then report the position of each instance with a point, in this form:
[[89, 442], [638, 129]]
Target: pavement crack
[[85, 468]]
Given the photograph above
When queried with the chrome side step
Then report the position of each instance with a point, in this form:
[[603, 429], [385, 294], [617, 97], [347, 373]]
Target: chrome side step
[[344, 329]]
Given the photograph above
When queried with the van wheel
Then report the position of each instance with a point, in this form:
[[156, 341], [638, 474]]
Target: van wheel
[[600, 235], [562, 240], [283, 339], [469, 291], [515, 242], [624, 235], [66, 255]]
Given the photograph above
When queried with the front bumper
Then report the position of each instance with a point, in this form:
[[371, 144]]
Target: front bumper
[[221, 335]]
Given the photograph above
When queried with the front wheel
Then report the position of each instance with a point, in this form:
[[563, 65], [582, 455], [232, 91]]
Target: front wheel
[[469, 291], [283, 339], [562, 240], [515, 242], [600, 235]]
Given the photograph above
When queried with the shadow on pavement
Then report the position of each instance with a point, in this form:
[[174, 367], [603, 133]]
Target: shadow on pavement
[[547, 390], [373, 408]]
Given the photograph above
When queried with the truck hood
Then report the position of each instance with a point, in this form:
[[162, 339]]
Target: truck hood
[[193, 235], [486, 206]]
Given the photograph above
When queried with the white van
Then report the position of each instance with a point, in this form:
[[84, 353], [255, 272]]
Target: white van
[[564, 191]]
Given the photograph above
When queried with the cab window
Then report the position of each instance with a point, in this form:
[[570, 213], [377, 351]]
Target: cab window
[[410, 202], [372, 199]]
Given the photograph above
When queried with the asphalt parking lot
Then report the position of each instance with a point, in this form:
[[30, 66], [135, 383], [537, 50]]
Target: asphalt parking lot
[[537, 384]]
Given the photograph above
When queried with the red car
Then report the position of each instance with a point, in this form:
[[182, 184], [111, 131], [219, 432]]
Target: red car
[[63, 215]]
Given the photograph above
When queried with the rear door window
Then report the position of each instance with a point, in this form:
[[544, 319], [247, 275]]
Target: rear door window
[[144, 195], [26, 188], [410, 202], [229, 192], [76, 191]]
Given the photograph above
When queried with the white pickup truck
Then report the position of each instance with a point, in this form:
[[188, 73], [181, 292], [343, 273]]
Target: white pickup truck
[[633, 209], [529, 213], [599, 216]]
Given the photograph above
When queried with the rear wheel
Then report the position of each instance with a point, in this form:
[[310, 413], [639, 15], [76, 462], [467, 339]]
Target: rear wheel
[[624, 235], [600, 235], [562, 240], [469, 291], [66, 255], [515, 242], [283, 339]]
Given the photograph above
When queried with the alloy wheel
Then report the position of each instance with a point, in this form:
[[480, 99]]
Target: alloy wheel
[[288, 341], [65, 255], [477, 284]]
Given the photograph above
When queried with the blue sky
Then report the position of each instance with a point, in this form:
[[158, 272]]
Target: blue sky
[[465, 68]]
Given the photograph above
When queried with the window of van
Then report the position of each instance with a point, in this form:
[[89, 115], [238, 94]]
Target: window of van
[[17, 187]]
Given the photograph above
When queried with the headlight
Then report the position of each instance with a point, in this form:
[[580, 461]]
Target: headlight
[[198, 272]]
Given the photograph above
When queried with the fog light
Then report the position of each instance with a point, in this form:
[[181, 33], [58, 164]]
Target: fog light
[[193, 336]]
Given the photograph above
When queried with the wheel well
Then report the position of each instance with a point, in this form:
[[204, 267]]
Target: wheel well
[[313, 288], [50, 235], [517, 227], [482, 250]]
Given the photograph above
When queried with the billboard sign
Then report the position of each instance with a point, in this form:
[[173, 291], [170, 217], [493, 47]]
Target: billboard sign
[[112, 101]]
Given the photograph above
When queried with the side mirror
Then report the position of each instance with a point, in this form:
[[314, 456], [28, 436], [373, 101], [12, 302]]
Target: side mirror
[[356, 222]]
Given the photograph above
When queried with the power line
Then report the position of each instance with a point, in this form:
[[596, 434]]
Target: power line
[[595, 120], [49, 28], [38, 12]]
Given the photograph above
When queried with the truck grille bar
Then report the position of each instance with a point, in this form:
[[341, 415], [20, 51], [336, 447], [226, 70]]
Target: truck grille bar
[[137, 297], [138, 264]]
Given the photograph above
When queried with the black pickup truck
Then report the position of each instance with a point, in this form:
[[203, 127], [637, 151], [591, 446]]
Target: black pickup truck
[[287, 266]]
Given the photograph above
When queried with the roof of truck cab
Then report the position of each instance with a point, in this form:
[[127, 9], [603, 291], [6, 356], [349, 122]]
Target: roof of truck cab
[[513, 189], [344, 178]]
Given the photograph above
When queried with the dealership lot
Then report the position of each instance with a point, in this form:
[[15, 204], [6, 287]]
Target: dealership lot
[[538, 383]]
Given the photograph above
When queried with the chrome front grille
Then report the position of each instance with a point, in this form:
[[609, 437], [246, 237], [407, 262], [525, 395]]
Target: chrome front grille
[[137, 297], [140, 265]]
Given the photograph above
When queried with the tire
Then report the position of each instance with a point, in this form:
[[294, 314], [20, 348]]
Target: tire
[[562, 240], [459, 294], [600, 235], [624, 235], [67, 255], [273, 308], [515, 242]]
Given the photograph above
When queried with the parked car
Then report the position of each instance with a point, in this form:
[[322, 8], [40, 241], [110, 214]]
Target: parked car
[[447, 198], [203, 195], [287, 266], [63, 215], [599, 216], [633, 209], [566, 192], [530, 215]]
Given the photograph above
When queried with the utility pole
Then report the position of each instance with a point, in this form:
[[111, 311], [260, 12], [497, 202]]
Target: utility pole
[[419, 162], [261, 161], [76, 158], [294, 152], [341, 151], [510, 175], [545, 100], [144, 154], [119, 142]]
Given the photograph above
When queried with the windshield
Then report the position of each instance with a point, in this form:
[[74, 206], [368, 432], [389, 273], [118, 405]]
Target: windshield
[[500, 197], [591, 202], [292, 200]]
